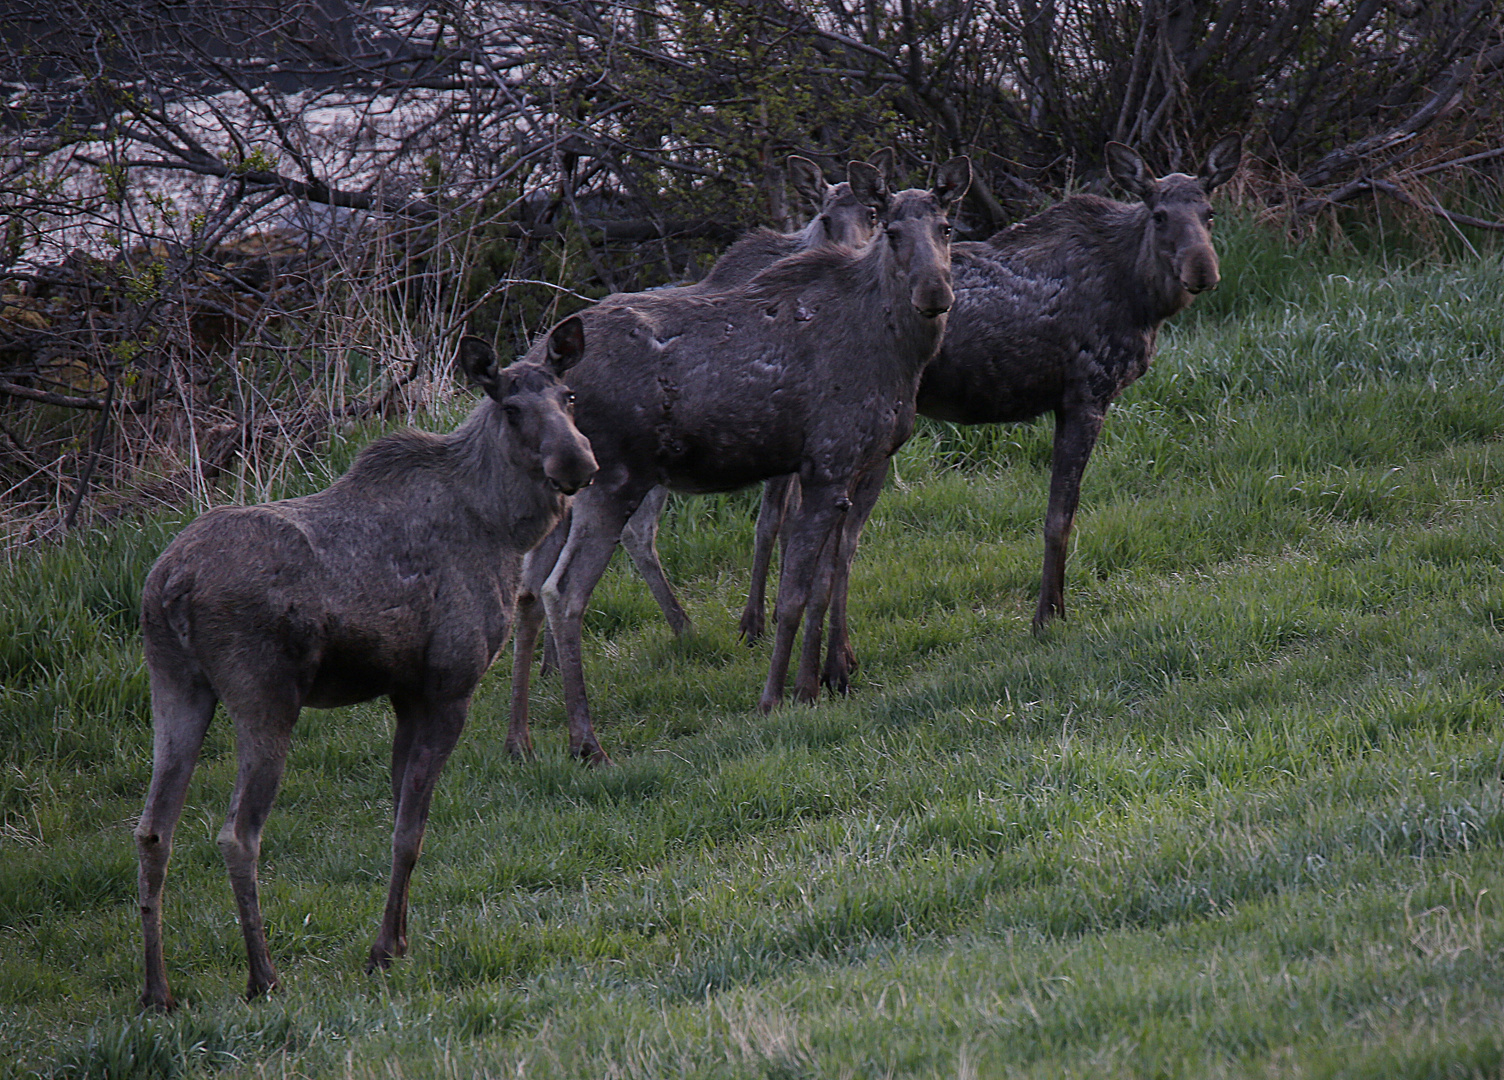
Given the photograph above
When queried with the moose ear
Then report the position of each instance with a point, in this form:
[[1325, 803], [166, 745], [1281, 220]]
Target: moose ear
[[478, 361], [868, 185], [808, 180], [1126, 167], [885, 161], [955, 178], [1222, 162], [566, 344]]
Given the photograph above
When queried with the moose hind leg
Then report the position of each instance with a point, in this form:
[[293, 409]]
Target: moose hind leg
[[429, 731], [264, 720], [640, 538], [777, 496], [182, 705]]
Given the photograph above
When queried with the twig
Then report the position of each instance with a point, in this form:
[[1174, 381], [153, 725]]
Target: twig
[[1394, 191], [1484, 156], [47, 398]]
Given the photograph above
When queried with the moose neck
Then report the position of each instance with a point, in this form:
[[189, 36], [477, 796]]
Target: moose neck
[[813, 235], [484, 453]]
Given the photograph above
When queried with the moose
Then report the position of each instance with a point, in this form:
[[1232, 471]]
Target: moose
[[1057, 313], [397, 580], [840, 218], [811, 368]]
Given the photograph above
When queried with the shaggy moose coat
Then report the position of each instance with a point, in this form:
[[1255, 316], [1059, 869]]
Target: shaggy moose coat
[[840, 218], [1057, 313], [397, 580], [811, 368]]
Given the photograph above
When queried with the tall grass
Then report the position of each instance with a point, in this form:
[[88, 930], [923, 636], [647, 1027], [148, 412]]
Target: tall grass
[[1241, 815]]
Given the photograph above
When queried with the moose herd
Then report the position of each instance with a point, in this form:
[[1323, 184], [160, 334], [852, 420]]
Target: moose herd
[[800, 361]]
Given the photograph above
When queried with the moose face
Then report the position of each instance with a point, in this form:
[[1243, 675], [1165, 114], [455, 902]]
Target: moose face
[[916, 228], [537, 407], [1178, 232], [841, 217]]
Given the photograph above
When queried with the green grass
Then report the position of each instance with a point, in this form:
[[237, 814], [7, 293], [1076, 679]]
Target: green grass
[[1242, 815]]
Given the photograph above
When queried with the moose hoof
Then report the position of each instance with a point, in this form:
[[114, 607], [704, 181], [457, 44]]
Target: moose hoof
[[255, 991], [807, 695], [592, 755], [1043, 621], [520, 750], [158, 1003], [837, 675], [751, 627]]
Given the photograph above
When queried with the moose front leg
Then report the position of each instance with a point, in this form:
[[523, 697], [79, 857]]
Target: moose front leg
[[1076, 432], [640, 538], [426, 735], [596, 521], [808, 543], [527, 623], [840, 659]]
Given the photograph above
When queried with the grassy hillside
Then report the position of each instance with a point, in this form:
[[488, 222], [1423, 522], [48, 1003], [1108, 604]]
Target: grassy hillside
[[1242, 815]]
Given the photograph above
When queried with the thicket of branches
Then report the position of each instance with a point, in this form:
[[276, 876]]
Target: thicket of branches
[[231, 225]]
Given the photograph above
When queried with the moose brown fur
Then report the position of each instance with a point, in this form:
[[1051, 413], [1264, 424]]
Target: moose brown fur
[[1058, 313], [812, 367], [840, 218], [397, 580]]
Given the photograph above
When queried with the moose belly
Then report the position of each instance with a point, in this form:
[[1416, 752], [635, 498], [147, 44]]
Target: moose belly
[[340, 684], [704, 464]]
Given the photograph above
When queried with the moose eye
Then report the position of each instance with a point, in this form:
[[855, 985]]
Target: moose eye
[[512, 410], [945, 231], [569, 400], [871, 216], [1160, 217]]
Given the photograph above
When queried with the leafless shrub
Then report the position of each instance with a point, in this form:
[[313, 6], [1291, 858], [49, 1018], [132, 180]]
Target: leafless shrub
[[233, 226]]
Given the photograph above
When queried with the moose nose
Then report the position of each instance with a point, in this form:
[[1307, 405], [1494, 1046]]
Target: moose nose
[[1199, 271], [569, 485], [934, 312], [572, 473]]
